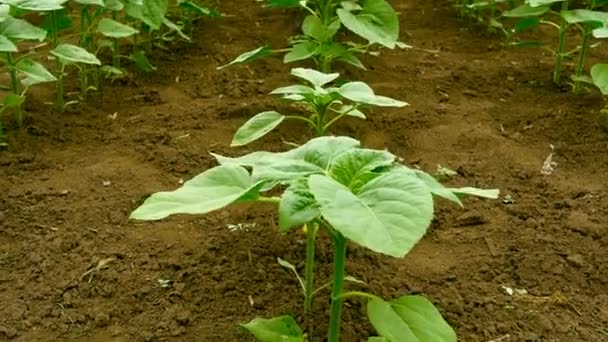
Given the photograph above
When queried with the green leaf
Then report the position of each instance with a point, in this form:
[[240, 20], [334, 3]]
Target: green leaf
[[283, 3], [314, 28], [362, 93], [377, 339], [526, 11], [470, 191], [351, 167], [351, 110], [174, 27], [142, 62], [316, 78], [301, 51], [409, 318], [34, 72], [196, 9], [63, 21], [5, 12], [294, 89], [595, 19], [99, 3], [6, 45], [16, 29], [536, 3], [601, 32], [280, 329], [377, 22], [114, 29], [389, 214], [110, 70], [114, 5], [153, 12], [318, 151], [297, 206], [13, 100], [257, 127], [211, 190], [599, 75], [68, 53], [37, 5], [250, 56]]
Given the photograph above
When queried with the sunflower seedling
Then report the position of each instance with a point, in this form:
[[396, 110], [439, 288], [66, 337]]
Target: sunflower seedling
[[355, 195], [68, 54], [325, 105], [375, 21], [13, 31]]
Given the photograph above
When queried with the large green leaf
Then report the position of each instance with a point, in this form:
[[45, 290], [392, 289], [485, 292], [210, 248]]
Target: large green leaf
[[209, 191], [37, 5], [599, 75], [5, 12], [294, 89], [319, 152], [114, 29], [250, 56], [153, 12], [279, 329], [409, 319], [316, 78], [362, 93], [17, 29], [34, 72], [377, 22], [257, 127], [297, 206], [389, 214], [69, 53], [6, 45]]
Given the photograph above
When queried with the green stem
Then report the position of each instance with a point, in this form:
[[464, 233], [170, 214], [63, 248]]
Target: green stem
[[324, 65], [14, 85], [60, 100], [563, 28], [115, 46], [85, 19], [296, 117], [358, 294], [580, 67], [310, 266], [274, 200], [338, 285]]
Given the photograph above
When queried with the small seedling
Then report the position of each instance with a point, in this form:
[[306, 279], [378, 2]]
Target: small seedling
[[355, 195], [324, 104], [13, 31], [375, 21]]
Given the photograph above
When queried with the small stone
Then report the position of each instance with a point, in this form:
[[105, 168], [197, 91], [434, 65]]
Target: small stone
[[102, 320], [576, 260], [183, 317]]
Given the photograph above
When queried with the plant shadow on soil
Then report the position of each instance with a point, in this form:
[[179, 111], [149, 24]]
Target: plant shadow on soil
[[69, 182]]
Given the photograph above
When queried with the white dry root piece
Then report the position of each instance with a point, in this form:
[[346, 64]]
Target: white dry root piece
[[548, 165]]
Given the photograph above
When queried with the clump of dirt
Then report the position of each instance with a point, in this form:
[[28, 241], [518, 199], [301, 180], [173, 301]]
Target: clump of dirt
[[532, 266]]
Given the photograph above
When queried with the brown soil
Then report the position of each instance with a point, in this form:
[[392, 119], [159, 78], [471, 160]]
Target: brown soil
[[69, 181]]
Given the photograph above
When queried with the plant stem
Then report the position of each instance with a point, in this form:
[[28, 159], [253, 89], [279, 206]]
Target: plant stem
[[115, 46], [14, 85], [84, 43], [310, 267], [580, 67], [60, 100], [563, 27], [324, 65], [338, 284]]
